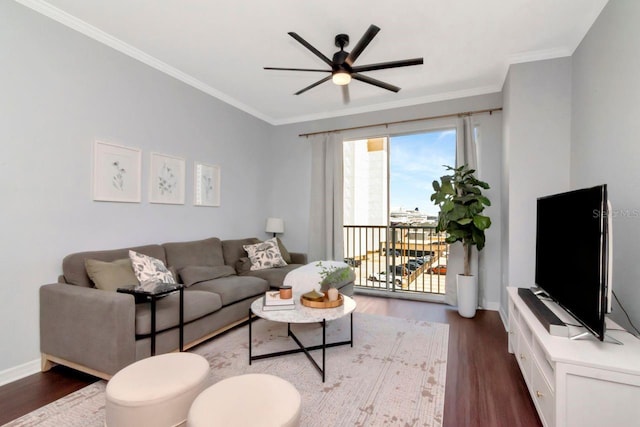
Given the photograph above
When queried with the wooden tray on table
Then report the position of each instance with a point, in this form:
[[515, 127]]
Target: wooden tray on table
[[325, 303]]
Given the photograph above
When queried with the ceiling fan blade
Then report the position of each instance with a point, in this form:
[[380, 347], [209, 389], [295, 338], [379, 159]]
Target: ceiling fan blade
[[313, 85], [375, 82], [390, 64], [296, 69], [362, 44], [346, 98], [306, 44]]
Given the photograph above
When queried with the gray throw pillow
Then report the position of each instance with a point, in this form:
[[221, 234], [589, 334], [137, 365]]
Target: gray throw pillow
[[243, 265], [109, 276], [192, 274], [286, 256]]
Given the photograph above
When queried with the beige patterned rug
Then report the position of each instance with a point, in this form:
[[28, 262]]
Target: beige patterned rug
[[393, 376]]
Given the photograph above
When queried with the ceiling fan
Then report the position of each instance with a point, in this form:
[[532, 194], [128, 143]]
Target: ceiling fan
[[342, 68]]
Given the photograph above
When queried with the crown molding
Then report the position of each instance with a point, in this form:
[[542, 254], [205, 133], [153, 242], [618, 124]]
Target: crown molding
[[484, 90], [76, 24], [539, 55]]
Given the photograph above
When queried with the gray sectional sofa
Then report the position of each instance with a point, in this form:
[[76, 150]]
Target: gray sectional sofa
[[100, 332]]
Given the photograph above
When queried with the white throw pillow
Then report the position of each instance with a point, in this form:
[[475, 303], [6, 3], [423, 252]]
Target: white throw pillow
[[265, 255], [149, 269]]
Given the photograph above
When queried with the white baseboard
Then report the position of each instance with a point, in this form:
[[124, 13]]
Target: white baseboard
[[17, 372], [493, 306]]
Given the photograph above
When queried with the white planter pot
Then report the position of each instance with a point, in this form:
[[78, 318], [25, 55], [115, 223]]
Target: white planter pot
[[467, 295]]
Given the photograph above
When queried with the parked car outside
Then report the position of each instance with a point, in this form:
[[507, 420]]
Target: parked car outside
[[439, 269], [413, 265], [391, 252], [400, 270], [382, 277], [352, 262]]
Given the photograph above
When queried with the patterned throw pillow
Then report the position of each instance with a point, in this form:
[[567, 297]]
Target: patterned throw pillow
[[149, 269], [265, 255]]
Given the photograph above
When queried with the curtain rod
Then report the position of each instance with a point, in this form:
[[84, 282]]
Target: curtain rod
[[466, 113]]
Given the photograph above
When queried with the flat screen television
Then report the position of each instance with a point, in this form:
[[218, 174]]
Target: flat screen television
[[572, 254]]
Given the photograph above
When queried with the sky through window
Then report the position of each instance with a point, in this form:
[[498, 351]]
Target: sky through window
[[415, 161]]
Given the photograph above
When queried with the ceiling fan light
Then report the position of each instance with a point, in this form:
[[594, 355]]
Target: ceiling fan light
[[341, 78]]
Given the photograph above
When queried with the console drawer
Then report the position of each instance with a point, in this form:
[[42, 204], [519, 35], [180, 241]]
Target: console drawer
[[543, 396], [524, 356]]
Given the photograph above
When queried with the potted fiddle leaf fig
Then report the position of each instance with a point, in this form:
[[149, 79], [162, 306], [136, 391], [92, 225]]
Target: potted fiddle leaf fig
[[459, 196]]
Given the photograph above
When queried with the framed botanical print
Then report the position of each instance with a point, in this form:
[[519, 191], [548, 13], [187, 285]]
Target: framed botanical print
[[166, 179], [116, 173], [206, 185]]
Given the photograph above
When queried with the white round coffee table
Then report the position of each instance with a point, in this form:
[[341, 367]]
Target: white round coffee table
[[303, 314]]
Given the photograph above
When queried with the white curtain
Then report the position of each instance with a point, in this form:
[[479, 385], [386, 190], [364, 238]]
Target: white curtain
[[325, 219], [466, 153]]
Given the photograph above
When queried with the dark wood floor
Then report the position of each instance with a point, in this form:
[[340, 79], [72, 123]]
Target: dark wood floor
[[484, 385]]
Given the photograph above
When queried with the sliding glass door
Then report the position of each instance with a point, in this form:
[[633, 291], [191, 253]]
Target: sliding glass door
[[389, 221]]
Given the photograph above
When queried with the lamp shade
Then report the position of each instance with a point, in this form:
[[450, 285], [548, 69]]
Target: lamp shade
[[275, 225]]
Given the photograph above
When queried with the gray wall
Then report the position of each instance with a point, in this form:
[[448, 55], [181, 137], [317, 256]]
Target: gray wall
[[537, 136], [291, 162], [59, 92], [572, 123], [605, 130]]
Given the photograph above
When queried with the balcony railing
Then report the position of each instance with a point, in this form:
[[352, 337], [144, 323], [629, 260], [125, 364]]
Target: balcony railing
[[397, 258]]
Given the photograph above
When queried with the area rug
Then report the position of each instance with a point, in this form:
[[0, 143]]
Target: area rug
[[393, 376]]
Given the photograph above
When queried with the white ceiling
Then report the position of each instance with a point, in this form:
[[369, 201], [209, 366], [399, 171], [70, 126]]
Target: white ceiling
[[220, 46]]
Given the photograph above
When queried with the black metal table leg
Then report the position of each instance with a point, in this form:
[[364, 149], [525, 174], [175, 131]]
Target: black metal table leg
[[250, 321], [150, 294], [181, 319], [302, 348], [351, 337], [153, 325], [324, 345]]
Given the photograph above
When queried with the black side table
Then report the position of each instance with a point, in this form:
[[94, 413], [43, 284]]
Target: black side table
[[151, 294]]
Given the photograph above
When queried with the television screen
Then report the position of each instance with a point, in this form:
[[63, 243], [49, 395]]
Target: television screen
[[571, 253]]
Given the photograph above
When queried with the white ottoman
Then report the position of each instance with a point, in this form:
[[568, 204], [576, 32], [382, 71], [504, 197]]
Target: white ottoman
[[156, 391], [256, 400]]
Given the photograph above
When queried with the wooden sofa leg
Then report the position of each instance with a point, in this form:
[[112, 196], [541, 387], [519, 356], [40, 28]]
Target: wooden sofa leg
[[45, 363]]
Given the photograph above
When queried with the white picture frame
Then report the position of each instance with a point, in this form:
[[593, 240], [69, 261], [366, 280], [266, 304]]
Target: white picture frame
[[116, 173], [206, 186], [166, 179]]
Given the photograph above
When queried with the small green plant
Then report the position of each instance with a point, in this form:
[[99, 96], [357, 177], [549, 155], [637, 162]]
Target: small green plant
[[461, 203], [332, 275]]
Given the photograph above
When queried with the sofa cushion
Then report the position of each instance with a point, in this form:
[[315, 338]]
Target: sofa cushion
[[109, 276], [233, 249], [265, 255], [75, 273], [234, 288], [197, 252], [192, 274], [275, 276], [149, 269], [243, 265], [197, 304]]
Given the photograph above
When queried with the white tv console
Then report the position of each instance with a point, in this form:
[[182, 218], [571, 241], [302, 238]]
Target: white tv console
[[575, 383]]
